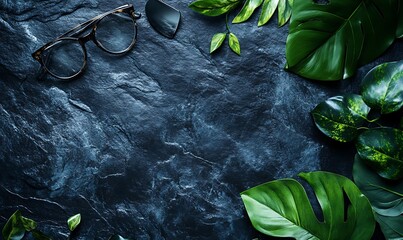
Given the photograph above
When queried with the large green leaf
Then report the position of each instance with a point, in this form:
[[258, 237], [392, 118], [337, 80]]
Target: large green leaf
[[247, 10], [14, 228], [340, 117], [329, 41], [281, 208], [381, 148], [214, 7], [386, 198], [382, 87]]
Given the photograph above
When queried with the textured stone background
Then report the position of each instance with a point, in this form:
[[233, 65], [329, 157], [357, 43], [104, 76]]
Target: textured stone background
[[156, 144]]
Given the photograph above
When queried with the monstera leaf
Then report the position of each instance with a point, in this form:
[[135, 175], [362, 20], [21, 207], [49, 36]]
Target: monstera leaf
[[386, 198], [382, 149], [281, 208], [382, 87], [329, 41], [340, 117]]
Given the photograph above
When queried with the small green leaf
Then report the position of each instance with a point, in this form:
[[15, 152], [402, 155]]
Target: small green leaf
[[340, 117], [38, 235], [14, 229], [28, 224], [214, 7], [217, 41], [234, 44], [284, 11], [117, 237], [268, 8], [381, 148], [74, 221], [247, 10], [386, 198], [281, 208], [382, 87]]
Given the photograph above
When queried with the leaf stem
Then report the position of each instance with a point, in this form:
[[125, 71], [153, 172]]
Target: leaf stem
[[226, 23], [362, 128]]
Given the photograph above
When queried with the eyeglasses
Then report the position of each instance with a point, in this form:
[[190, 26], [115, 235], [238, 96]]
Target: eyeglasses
[[115, 32]]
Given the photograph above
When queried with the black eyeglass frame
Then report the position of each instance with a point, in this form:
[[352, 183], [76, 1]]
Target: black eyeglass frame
[[71, 35]]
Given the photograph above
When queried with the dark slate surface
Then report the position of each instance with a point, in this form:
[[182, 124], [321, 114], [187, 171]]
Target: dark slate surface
[[159, 143]]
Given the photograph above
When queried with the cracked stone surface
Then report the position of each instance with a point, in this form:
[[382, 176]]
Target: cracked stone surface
[[158, 143]]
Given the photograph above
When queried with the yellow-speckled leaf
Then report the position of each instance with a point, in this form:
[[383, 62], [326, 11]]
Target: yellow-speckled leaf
[[382, 87], [382, 149], [340, 117]]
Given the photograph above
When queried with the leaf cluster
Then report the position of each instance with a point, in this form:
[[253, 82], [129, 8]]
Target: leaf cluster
[[378, 166], [18, 226], [345, 119], [214, 8]]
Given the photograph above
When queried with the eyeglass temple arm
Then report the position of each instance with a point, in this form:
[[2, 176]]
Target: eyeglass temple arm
[[84, 26]]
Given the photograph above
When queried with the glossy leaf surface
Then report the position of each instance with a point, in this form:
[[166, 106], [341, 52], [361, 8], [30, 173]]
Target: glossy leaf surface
[[268, 8], [73, 222], [217, 41], [214, 7], [281, 208], [284, 11], [382, 87], [247, 10], [381, 148], [386, 198], [14, 228], [329, 41], [234, 44], [340, 117]]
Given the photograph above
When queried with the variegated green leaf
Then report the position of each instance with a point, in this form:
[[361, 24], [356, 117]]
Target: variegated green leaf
[[247, 10], [340, 117], [73, 222], [234, 44], [28, 224], [14, 229], [381, 148], [268, 8], [382, 87], [217, 41], [284, 11], [214, 7]]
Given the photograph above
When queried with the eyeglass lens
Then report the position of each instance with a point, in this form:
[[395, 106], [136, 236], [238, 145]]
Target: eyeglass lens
[[64, 58], [116, 32]]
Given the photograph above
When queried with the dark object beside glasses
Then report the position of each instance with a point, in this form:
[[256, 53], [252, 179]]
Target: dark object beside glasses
[[115, 32], [162, 17]]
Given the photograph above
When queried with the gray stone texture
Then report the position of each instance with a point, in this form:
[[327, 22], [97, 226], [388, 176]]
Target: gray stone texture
[[158, 143]]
